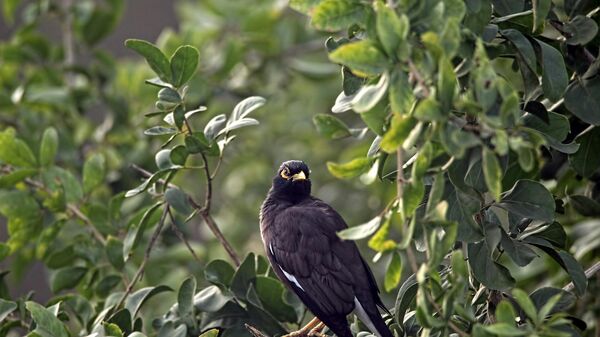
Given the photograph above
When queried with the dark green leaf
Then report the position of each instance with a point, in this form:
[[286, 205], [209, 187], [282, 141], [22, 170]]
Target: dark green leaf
[[178, 200], [14, 151], [66, 278], [523, 46], [585, 206], [505, 329], [114, 252], [406, 294], [107, 284], [135, 233], [47, 323], [540, 11], [219, 272], [525, 303], [529, 199], [93, 172], [580, 30], [185, 297], [183, 64], [391, 29], [518, 251], [331, 126], [586, 161], [554, 73], [48, 147], [487, 271], [147, 183], [155, 58], [541, 296], [271, 293], [243, 276], [575, 271], [179, 155], [6, 307], [56, 177]]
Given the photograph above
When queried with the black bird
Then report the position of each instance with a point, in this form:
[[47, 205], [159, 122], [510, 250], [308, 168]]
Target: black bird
[[328, 274]]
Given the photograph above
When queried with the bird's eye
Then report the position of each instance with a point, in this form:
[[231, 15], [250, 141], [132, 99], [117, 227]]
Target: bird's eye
[[285, 173]]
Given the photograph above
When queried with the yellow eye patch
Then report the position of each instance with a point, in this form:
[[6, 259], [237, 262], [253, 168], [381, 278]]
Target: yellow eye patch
[[285, 173]]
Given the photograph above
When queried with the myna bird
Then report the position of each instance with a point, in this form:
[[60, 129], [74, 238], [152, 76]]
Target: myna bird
[[327, 273]]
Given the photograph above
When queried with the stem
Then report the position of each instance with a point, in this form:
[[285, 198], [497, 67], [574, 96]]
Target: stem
[[140, 271], [591, 271], [182, 237], [417, 76]]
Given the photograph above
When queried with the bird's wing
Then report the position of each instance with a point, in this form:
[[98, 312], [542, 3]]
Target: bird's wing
[[321, 268]]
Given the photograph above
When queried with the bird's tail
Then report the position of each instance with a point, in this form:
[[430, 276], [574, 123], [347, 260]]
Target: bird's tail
[[369, 314]]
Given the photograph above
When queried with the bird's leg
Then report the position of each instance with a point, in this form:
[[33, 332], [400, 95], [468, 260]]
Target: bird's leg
[[304, 332], [316, 331]]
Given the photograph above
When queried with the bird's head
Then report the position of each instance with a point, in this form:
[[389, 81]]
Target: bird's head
[[292, 180]]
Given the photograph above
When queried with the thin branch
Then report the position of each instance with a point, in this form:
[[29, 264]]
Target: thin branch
[[589, 273], [418, 77], [140, 271], [182, 237], [254, 331]]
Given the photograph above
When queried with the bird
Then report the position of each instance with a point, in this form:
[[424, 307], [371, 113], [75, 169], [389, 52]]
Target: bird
[[327, 273]]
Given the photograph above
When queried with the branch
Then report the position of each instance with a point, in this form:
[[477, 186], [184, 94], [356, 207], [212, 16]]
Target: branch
[[181, 236], [140, 271], [589, 273], [417, 76], [254, 331]]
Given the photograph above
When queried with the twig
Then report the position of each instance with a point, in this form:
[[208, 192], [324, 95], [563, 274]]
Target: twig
[[182, 237], [72, 208], [142, 266], [254, 331], [417, 76], [591, 271]]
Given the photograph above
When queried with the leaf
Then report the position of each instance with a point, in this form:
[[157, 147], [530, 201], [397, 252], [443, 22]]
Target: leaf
[[518, 251], [185, 297], [349, 169], [554, 74], [575, 271], [160, 130], [585, 206], [178, 155], [134, 302], [331, 126], [14, 151], [9, 7], [55, 178], [66, 278], [16, 176], [405, 297], [6, 307], [529, 199], [211, 332], [93, 172], [369, 95], [24, 217], [485, 270], [147, 183], [271, 295], [155, 58], [586, 161], [492, 173], [333, 15], [210, 299], [212, 128], [219, 272], [580, 30], [400, 93], [504, 329], [541, 296], [505, 313], [245, 107], [393, 272], [136, 231], [429, 110], [183, 64], [525, 303], [391, 29], [48, 146], [523, 46], [107, 284], [243, 276], [342, 103], [240, 123], [583, 100], [114, 252], [541, 8], [400, 128], [446, 84], [360, 231], [47, 324], [177, 199], [362, 56]]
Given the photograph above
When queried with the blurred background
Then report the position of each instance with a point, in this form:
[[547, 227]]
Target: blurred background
[[262, 48]]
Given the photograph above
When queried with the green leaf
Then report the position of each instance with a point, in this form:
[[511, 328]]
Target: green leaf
[[6, 307], [55, 178], [114, 252], [505, 313], [178, 155], [400, 128], [48, 146], [554, 74], [185, 297], [160, 130], [177, 199], [575, 271], [243, 276], [391, 29], [107, 284], [529, 199], [9, 7], [66, 278], [541, 8], [586, 161], [271, 293], [380, 242], [523, 46], [245, 107], [505, 329], [492, 173], [24, 217], [14, 151], [16, 176], [183, 64], [405, 297], [446, 84], [400, 93], [584, 205], [369, 95], [212, 332], [490, 273], [583, 99], [541, 296], [333, 15], [93, 172], [219, 272], [163, 160], [240, 123], [331, 126], [349, 169], [430, 110], [393, 273], [61, 258], [147, 183], [134, 302], [136, 231], [102, 21], [47, 324], [362, 56], [519, 252], [155, 58], [360, 231], [525, 303], [580, 30], [304, 6]]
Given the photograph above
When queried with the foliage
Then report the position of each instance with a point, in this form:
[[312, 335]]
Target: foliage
[[474, 135]]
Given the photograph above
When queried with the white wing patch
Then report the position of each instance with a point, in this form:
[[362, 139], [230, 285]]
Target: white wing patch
[[362, 315], [289, 276]]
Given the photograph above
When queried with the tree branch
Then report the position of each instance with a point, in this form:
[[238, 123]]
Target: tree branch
[[589, 273], [182, 237], [140, 271]]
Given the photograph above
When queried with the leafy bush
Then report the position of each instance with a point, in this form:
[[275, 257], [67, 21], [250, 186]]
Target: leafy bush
[[474, 126]]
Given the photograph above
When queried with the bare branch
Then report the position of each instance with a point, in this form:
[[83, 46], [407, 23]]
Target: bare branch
[[182, 237], [589, 273]]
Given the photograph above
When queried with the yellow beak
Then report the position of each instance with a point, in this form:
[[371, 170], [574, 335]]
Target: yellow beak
[[299, 176]]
